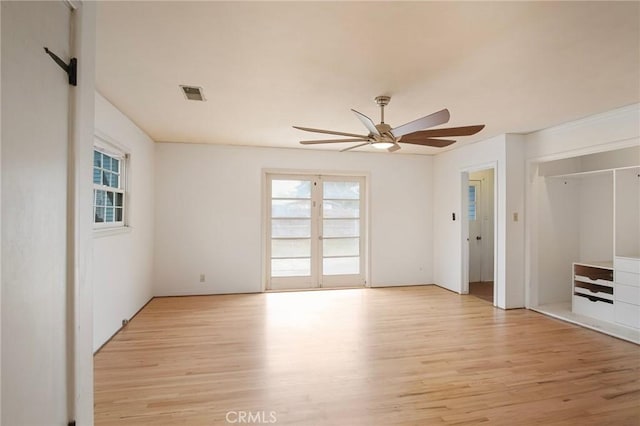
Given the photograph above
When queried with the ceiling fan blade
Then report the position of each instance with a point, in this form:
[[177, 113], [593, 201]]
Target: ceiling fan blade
[[431, 120], [368, 123], [436, 143], [450, 131], [353, 147], [330, 132], [394, 148], [332, 141]]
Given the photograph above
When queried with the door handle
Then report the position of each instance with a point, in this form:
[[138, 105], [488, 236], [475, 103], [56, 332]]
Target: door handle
[[478, 238]]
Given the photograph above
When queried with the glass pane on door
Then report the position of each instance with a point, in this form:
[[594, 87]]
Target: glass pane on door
[[342, 190], [341, 228], [341, 247]]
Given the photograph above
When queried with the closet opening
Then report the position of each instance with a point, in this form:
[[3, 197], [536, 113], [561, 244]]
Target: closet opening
[[584, 240]]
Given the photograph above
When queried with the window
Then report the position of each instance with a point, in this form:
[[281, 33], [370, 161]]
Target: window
[[108, 188], [472, 202]]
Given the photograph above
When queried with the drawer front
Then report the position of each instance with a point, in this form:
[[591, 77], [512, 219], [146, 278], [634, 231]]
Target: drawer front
[[627, 264], [628, 294], [593, 274], [594, 290], [596, 309], [588, 280], [627, 314], [627, 278]]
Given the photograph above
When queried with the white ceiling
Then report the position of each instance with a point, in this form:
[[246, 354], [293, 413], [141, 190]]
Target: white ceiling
[[514, 66]]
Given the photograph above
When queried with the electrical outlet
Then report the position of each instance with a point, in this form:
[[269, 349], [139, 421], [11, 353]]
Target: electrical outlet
[[125, 322], [515, 217], [202, 278]]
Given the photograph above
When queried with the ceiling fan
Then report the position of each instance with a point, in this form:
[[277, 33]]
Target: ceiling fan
[[383, 136]]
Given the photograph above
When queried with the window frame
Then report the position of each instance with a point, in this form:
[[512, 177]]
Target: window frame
[[113, 150]]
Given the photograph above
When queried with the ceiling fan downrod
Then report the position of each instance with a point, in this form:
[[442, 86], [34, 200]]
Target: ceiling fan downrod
[[382, 101]]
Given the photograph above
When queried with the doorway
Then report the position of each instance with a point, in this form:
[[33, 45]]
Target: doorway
[[480, 223], [315, 231]]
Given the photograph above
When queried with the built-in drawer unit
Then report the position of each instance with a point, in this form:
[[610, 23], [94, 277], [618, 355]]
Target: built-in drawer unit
[[627, 314], [594, 307], [627, 264], [587, 289], [627, 278], [592, 274], [593, 290], [627, 291]]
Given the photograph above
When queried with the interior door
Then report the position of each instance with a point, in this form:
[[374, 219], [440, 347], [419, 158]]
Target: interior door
[[315, 231], [475, 231]]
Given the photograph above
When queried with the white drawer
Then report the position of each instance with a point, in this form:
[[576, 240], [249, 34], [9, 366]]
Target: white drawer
[[627, 278], [588, 292], [627, 293], [627, 264], [627, 314], [596, 309], [590, 281]]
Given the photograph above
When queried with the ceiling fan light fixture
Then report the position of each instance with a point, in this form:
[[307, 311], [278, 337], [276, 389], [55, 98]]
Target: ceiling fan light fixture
[[382, 145]]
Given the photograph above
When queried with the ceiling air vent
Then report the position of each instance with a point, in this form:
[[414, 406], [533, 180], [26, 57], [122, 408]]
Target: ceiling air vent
[[193, 93]]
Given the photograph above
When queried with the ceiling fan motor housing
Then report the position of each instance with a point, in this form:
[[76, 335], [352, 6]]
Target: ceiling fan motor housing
[[385, 133], [383, 100]]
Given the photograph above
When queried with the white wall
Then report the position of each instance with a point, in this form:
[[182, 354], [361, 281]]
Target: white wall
[[557, 201], [447, 186], [0, 231], [35, 332], [613, 129], [209, 214], [123, 262], [515, 221], [595, 216], [506, 152]]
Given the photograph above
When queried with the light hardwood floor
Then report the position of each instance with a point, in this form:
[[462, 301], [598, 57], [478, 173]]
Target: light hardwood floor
[[392, 356]]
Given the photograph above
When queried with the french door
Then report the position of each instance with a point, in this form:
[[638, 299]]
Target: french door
[[315, 231]]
